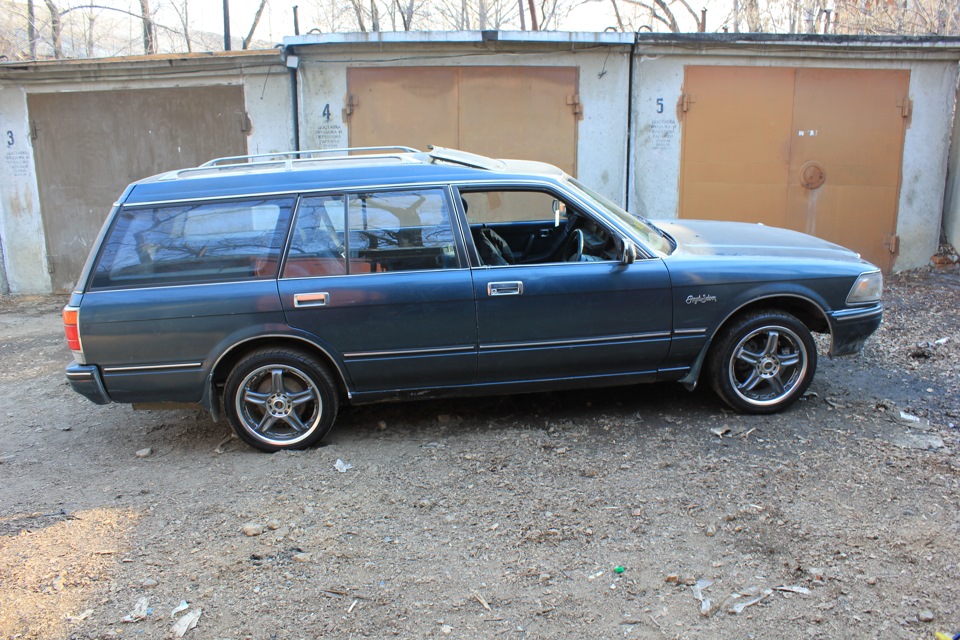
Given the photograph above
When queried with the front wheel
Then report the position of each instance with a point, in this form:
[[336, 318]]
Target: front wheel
[[762, 362], [280, 399]]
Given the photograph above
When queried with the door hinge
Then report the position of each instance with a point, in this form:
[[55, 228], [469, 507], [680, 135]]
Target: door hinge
[[686, 100], [245, 124], [352, 103], [50, 263], [906, 106], [574, 101], [33, 129], [892, 242]]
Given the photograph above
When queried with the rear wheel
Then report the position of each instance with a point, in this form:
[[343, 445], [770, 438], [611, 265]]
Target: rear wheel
[[762, 362], [280, 399]]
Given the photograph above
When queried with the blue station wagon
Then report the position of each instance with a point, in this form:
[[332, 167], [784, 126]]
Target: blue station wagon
[[276, 288]]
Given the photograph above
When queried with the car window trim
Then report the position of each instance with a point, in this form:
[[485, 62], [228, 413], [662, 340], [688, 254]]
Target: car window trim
[[557, 191]]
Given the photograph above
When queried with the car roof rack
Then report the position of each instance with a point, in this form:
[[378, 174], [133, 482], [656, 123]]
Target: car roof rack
[[311, 154], [289, 159]]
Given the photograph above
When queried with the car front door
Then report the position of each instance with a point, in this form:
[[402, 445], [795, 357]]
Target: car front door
[[378, 277], [577, 311]]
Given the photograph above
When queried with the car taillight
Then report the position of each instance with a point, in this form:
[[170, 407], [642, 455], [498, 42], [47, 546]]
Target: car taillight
[[71, 327]]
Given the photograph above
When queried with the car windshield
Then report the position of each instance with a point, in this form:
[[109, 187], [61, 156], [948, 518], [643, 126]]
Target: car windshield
[[649, 233]]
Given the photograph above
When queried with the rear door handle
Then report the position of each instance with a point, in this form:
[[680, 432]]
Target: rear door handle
[[504, 288], [319, 299]]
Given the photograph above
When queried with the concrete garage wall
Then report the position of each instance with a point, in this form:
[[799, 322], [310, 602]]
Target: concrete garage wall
[[653, 188], [640, 170], [266, 98], [603, 60], [21, 227], [951, 207]]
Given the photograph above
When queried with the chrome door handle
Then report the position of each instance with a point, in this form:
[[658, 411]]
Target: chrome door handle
[[311, 299], [504, 288]]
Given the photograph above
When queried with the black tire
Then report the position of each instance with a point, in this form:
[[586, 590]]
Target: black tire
[[762, 362], [280, 399]]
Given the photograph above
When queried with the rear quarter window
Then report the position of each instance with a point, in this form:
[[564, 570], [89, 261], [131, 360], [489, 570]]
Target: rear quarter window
[[194, 243]]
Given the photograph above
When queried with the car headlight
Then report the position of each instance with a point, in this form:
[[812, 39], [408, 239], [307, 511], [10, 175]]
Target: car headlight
[[867, 288]]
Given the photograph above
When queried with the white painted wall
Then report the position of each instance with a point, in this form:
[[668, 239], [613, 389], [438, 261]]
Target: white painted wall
[[21, 228], [654, 191], [604, 91], [951, 207]]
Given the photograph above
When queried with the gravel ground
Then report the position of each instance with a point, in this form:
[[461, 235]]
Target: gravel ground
[[593, 514]]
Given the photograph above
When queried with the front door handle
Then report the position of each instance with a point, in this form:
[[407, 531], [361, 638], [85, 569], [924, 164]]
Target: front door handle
[[311, 299], [505, 288]]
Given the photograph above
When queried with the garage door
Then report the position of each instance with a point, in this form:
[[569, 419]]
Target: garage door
[[504, 112], [90, 145], [815, 150]]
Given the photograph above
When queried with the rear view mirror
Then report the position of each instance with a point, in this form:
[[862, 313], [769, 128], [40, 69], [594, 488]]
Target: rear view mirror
[[629, 253], [558, 208]]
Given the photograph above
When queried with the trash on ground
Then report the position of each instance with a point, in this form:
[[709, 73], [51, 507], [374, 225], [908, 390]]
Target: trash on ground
[[342, 466], [706, 605], [183, 606], [754, 595], [140, 611], [720, 431], [791, 588], [186, 622]]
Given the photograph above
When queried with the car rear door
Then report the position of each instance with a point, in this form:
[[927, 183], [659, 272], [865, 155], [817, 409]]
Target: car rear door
[[379, 278]]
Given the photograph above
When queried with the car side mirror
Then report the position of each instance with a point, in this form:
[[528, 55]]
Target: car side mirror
[[628, 255]]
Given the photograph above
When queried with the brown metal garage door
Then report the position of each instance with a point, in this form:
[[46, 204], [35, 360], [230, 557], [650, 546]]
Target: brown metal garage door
[[505, 112], [816, 150], [90, 145]]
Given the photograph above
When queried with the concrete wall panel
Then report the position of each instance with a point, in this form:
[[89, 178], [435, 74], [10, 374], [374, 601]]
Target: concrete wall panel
[[21, 227]]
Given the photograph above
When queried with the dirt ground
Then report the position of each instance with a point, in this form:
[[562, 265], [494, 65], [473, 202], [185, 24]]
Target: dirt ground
[[507, 517]]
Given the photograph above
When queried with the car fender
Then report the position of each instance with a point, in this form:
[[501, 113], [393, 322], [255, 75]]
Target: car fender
[[752, 296], [229, 344]]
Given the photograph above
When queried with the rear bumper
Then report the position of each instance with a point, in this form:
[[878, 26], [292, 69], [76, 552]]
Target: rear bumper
[[851, 328], [85, 380]]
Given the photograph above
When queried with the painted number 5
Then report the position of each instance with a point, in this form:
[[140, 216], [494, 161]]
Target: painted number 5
[[659, 105]]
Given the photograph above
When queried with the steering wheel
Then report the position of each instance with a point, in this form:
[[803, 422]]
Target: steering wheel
[[573, 249]]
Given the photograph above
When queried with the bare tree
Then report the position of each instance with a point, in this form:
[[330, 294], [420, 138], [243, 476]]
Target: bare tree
[[149, 33], [32, 29], [56, 29], [253, 27], [182, 10]]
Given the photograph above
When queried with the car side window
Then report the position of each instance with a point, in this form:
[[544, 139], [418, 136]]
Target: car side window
[[400, 231], [194, 243], [375, 232], [317, 245], [533, 227]]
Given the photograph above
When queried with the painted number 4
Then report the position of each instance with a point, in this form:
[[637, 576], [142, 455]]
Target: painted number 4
[[326, 112]]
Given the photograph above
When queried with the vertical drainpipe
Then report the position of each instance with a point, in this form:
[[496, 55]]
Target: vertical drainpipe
[[293, 63], [633, 51]]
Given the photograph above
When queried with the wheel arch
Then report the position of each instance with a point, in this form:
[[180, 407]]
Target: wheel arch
[[230, 356], [806, 309]]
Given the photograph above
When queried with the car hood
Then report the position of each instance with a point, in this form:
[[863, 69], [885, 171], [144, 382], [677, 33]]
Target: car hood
[[712, 238]]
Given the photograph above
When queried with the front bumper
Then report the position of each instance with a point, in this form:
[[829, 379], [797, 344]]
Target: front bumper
[[850, 328], [85, 380]]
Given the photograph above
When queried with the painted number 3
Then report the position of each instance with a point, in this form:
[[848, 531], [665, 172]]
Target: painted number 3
[[10, 140]]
